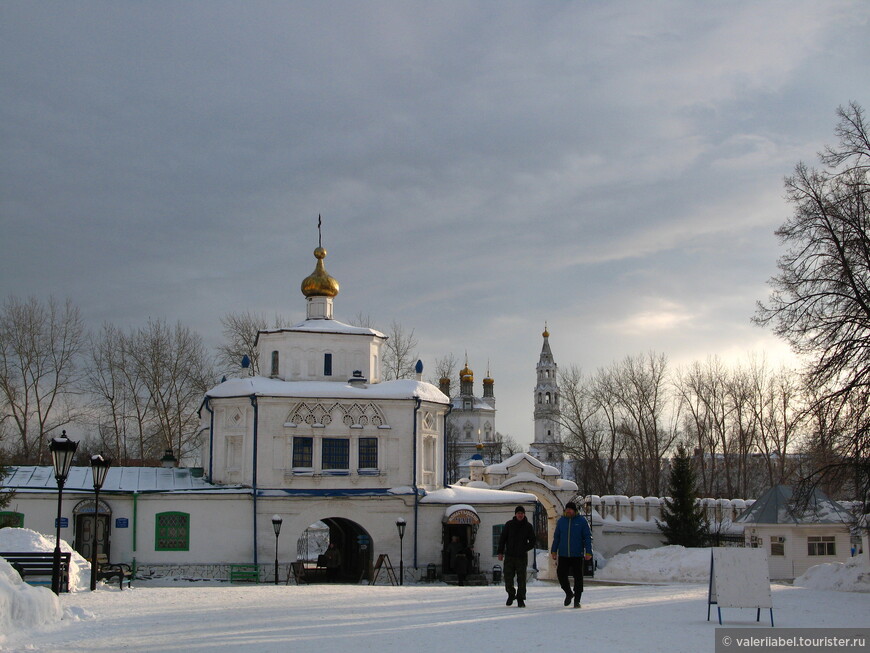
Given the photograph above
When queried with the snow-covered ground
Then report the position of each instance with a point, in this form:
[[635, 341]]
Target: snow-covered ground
[[654, 618]]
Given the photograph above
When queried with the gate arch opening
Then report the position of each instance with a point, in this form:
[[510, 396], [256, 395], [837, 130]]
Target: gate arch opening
[[353, 542]]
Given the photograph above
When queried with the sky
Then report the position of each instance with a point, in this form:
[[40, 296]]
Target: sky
[[613, 170]]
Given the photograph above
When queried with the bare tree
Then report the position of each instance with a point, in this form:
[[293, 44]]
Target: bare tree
[[39, 347], [240, 332], [445, 368], [820, 299], [644, 399], [400, 354], [121, 404], [174, 367]]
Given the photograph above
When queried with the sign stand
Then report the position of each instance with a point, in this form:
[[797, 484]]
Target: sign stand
[[739, 578], [384, 561]]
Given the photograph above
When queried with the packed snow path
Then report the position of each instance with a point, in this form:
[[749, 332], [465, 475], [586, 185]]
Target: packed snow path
[[437, 618]]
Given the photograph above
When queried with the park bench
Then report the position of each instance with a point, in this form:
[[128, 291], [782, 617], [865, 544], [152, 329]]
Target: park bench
[[36, 567], [108, 571], [249, 573]]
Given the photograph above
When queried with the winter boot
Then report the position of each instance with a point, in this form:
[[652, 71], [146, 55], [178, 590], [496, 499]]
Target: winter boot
[[568, 597], [510, 598]]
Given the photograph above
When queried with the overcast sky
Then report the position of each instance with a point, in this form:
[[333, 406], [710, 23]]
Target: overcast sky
[[612, 168]]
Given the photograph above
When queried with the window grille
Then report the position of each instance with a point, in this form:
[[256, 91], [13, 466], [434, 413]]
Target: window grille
[[172, 531], [336, 453], [368, 453], [303, 449]]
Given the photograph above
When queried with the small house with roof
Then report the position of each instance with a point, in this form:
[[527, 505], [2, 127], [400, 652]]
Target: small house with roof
[[796, 538]]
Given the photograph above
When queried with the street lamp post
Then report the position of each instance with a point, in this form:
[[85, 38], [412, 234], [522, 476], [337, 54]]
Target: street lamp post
[[277, 520], [400, 526], [99, 468], [62, 451]]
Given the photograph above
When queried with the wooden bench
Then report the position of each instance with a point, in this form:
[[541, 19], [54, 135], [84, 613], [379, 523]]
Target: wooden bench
[[249, 573], [307, 573], [37, 567], [107, 571]]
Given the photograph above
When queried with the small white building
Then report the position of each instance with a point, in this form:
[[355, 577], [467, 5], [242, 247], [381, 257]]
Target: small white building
[[795, 541]]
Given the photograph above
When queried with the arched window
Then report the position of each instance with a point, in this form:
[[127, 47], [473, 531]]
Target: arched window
[[327, 364], [547, 398], [172, 531], [274, 363]]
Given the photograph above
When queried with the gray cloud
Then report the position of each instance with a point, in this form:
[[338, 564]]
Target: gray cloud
[[614, 169]]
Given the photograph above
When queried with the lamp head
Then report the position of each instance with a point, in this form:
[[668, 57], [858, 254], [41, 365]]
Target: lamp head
[[62, 451], [99, 468]]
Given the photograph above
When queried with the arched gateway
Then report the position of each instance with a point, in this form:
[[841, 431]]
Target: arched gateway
[[353, 542]]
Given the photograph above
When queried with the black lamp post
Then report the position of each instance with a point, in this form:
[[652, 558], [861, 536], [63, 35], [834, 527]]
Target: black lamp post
[[400, 526], [277, 520], [62, 451], [99, 467]]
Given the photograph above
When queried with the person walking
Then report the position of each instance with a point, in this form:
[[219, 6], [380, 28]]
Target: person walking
[[517, 539], [572, 544]]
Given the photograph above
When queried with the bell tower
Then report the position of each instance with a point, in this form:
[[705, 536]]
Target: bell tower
[[548, 439]]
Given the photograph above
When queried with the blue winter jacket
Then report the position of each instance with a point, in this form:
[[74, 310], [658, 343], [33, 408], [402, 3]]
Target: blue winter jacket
[[572, 538]]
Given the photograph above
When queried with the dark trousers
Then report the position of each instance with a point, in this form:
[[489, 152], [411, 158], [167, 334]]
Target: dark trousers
[[515, 566], [570, 567]]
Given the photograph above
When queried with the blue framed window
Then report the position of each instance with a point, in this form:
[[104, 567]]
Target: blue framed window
[[303, 450], [327, 364], [368, 453], [336, 453]]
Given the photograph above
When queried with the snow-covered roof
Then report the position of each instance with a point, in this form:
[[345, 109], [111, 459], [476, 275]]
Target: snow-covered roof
[[775, 507], [326, 326], [478, 404], [476, 496], [504, 466], [119, 479], [263, 387]]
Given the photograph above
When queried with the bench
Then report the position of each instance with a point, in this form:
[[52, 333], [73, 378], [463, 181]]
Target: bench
[[37, 567], [108, 571], [249, 573], [307, 573]]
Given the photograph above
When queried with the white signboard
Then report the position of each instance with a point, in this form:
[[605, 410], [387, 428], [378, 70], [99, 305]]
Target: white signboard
[[739, 578]]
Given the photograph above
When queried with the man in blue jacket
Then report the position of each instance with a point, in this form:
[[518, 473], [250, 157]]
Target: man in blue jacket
[[572, 543]]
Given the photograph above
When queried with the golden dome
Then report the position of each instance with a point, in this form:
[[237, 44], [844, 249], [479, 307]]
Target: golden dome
[[319, 283], [546, 333], [465, 374]]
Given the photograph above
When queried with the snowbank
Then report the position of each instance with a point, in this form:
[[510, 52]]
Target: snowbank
[[854, 576], [23, 606], [24, 539], [667, 564]]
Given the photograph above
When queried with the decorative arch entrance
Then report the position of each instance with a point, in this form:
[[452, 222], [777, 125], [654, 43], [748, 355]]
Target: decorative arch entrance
[[85, 520], [352, 541]]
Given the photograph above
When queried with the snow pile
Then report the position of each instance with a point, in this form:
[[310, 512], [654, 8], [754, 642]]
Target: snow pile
[[854, 576], [667, 564], [23, 606], [24, 539]]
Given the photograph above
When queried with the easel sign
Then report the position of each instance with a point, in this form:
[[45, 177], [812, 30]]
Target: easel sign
[[739, 578], [383, 563]]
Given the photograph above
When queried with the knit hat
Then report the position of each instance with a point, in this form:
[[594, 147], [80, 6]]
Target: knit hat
[[520, 509], [571, 506]]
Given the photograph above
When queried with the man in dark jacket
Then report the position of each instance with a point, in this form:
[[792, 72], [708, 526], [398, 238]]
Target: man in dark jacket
[[517, 538], [572, 543]]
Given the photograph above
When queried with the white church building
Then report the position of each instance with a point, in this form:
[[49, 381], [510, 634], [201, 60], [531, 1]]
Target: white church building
[[321, 440]]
